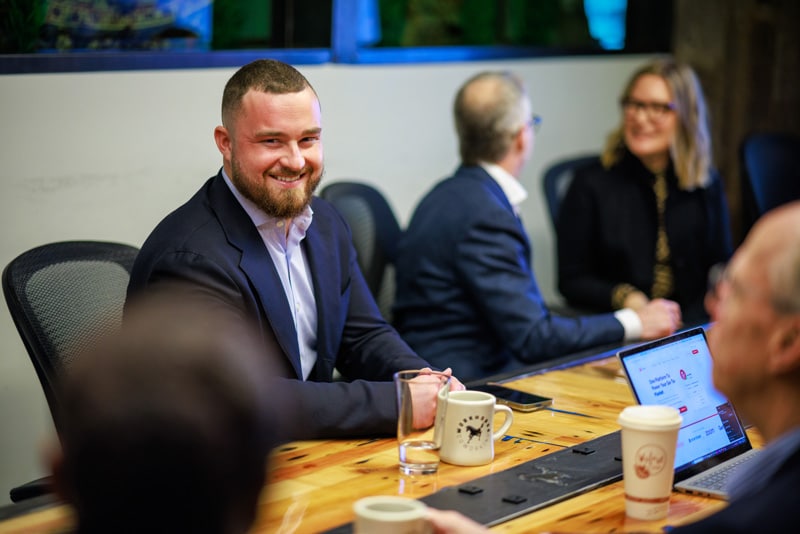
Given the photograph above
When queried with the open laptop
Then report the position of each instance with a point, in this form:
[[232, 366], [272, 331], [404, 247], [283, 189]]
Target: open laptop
[[712, 442]]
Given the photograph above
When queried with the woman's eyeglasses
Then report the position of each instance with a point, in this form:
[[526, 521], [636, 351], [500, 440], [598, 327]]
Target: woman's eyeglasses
[[652, 110]]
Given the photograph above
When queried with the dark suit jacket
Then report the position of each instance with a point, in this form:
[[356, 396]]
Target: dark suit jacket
[[467, 296], [211, 243], [607, 232], [771, 509]]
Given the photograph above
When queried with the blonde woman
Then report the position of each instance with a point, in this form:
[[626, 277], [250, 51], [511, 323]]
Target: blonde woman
[[649, 219]]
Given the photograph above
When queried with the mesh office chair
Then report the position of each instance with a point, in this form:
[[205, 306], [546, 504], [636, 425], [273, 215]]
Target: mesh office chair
[[375, 235], [770, 173], [63, 297], [557, 179]]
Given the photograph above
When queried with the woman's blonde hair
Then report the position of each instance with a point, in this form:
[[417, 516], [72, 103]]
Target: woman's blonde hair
[[690, 149]]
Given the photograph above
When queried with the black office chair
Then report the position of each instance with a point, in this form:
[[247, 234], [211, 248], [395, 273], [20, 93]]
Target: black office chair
[[557, 179], [375, 234], [63, 297], [770, 165]]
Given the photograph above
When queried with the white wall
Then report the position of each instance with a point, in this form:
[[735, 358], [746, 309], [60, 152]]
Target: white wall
[[106, 155]]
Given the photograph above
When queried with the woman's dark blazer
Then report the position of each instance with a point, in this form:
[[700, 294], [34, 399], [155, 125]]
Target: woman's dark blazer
[[607, 230]]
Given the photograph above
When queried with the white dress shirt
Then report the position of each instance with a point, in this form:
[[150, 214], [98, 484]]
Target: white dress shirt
[[292, 266]]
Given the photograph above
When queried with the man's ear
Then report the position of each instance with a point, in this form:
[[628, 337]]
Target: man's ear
[[784, 346], [223, 140], [519, 140]]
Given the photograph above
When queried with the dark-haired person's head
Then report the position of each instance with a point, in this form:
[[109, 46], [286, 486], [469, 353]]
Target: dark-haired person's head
[[167, 425]]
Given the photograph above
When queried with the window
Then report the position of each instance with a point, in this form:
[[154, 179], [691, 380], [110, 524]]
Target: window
[[66, 35]]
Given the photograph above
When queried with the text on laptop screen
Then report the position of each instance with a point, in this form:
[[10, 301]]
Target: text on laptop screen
[[678, 374]]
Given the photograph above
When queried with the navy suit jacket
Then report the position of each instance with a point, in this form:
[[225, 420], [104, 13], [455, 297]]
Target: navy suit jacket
[[212, 243], [467, 296]]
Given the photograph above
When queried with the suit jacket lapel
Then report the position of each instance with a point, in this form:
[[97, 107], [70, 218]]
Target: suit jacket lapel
[[323, 264], [257, 265]]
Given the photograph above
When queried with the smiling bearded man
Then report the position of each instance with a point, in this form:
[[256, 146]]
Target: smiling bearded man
[[256, 242]]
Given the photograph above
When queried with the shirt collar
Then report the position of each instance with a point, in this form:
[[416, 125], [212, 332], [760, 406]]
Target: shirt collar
[[260, 218], [513, 190]]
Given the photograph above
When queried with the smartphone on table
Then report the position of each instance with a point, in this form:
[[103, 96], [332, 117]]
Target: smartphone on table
[[515, 399]]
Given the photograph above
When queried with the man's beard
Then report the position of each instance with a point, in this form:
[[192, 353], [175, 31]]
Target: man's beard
[[285, 204]]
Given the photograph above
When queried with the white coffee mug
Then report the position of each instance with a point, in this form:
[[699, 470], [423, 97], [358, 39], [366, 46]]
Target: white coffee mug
[[466, 433], [386, 514]]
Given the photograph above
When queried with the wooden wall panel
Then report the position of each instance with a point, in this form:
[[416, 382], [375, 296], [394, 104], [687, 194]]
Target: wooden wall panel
[[747, 55]]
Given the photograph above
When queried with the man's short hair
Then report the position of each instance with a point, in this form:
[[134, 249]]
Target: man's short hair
[[167, 425], [264, 75], [488, 112]]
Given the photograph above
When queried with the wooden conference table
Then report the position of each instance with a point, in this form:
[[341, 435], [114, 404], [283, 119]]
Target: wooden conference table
[[315, 483]]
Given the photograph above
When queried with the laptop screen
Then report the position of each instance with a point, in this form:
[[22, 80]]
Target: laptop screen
[[676, 371]]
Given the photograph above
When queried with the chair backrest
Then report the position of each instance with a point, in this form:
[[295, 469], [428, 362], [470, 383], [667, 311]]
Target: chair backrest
[[64, 296], [770, 172], [375, 234], [557, 179]]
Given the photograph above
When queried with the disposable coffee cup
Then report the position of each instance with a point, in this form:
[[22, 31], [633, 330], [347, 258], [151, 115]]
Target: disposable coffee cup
[[390, 515], [649, 436]]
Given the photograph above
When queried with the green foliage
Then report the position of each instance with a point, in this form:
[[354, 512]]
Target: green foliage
[[228, 18], [20, 21], [484, 22]]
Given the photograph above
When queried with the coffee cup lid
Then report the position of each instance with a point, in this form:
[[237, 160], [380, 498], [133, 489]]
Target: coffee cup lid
[[650, 417]]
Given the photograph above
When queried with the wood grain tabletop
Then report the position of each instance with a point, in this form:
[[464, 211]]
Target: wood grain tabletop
[[313, 484]]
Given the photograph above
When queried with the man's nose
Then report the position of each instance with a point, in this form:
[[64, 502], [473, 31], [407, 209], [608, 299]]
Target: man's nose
[[293, 159]]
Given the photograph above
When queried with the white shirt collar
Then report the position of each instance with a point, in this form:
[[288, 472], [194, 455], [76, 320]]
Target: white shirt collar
[[513, 190]]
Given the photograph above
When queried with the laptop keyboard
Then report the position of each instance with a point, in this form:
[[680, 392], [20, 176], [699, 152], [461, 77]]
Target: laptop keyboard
[[717, 478]]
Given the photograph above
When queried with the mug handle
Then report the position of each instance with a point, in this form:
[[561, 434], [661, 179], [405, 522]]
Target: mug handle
[[506, 423]]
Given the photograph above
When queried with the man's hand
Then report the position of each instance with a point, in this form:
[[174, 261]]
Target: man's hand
[[660, 317], [425, 394], [455, 383]]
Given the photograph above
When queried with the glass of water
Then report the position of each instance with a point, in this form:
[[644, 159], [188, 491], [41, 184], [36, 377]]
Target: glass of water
[[421, 403]]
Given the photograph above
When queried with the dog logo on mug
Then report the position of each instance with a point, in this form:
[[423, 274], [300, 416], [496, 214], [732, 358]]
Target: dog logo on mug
[[473, 432], [650, 460]]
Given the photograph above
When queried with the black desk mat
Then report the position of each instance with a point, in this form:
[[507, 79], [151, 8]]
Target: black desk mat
[[527, 487]]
